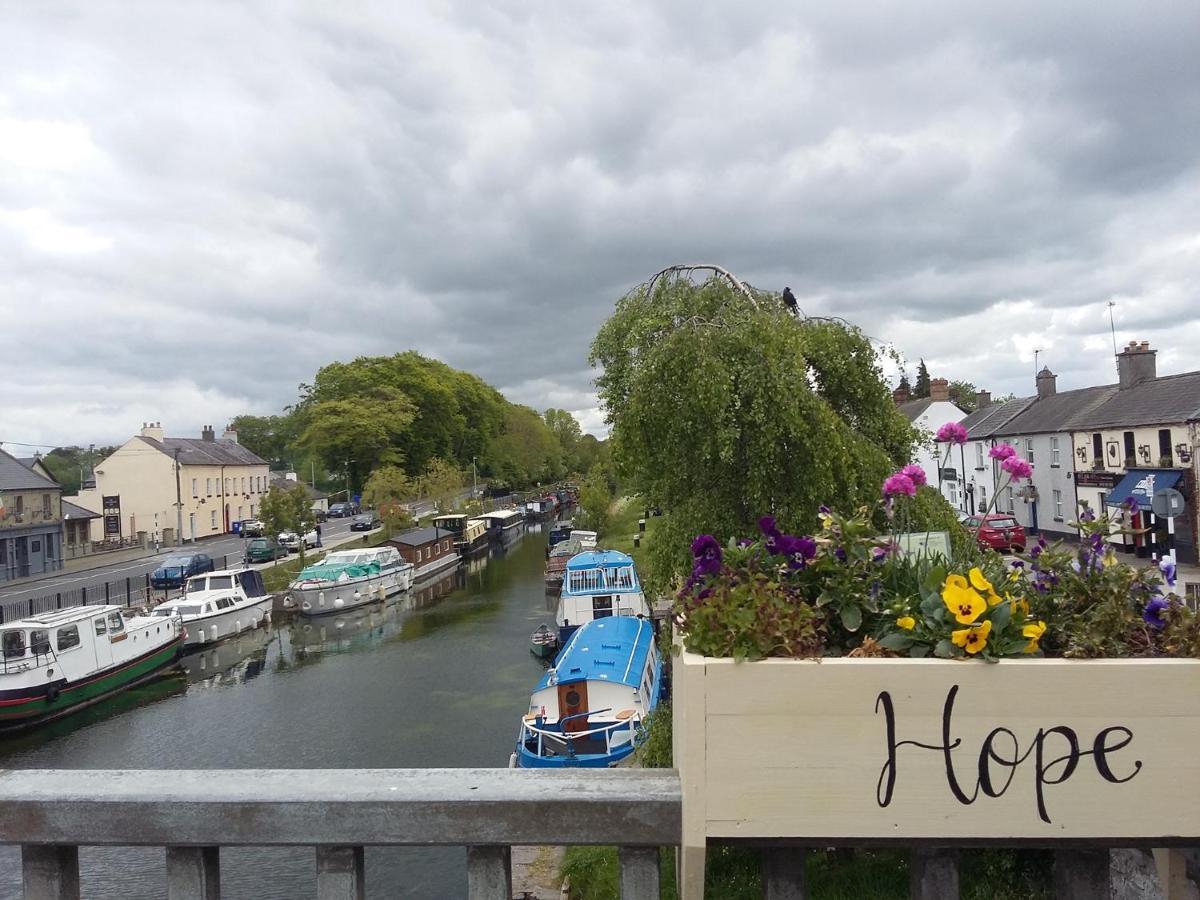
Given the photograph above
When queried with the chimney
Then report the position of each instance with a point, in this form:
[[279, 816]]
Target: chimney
[[207, 433], [1135, 364], [939, 390], [152, 430], [1047, 383], [230, 434], [983, 398], [901, 395]]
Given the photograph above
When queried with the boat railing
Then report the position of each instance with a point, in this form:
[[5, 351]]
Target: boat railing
[[559, 740], [31, 659]]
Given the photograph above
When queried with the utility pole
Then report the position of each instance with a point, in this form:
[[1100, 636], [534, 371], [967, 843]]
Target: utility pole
[[178, 505], [474, 480]]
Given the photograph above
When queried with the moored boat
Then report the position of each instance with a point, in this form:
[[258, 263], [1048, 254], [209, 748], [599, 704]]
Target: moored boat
[[588, 710], [598, 584], [346, 579], [543, 642], [556, 563], [503, 524], [429, 550], [470, 535], [217, 605], [587, 539], [59, 662], [559, 532]]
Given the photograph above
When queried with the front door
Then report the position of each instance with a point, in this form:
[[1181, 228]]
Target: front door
[[572, 699]]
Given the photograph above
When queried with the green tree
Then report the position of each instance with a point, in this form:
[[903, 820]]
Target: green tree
[[921, 390], [964, 395], [287, 509], [595, 500], [266, 436], [904, 385], [440, 482], [358, 435], [526, 451], [722, 412], [567, 432], [386, 491]]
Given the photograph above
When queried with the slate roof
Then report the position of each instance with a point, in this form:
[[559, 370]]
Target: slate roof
[[1164, 400], [912, 409], [16, 476], [985, 422], [419, 537], [199, 452], [70, 510], [1057, 413]]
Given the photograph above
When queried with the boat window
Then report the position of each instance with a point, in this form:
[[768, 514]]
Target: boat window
[[39, 642], [13, 643], [101, 628], [68, 637], [224, 603], [195, 584], [220, 582], [115, 623], [601, 607]]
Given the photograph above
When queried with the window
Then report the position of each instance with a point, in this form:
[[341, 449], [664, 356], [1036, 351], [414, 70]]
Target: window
[[212, 521], [1058, 512], [1012, 503], [243, 484], [1130, 449], [952, 493], [1164, 445], [39, 641], [224, 603], [46, 499], [1029, 449], [979, 454], [194, 480], [101, 628], [1098, 447], [115, 623], [35, 546], [68, 637], [445, 545], [982, 497], [1055, 453], [208, 486], [220, 582], [13, 643], [20, 504]]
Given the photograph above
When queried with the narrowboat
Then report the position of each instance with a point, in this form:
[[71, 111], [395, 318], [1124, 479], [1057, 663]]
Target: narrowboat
[[559, 532], [470, 535], [59, 662], [556, 563], [346, 579], [429, 550], [587, 539], [541, 507], [217, 605], [598, 584], [588, 710], [503, 524]]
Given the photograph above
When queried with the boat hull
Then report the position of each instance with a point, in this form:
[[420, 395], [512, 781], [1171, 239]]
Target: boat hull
[[28, 707], [343, 596], [205, 630], [527, 760], [435, 566]]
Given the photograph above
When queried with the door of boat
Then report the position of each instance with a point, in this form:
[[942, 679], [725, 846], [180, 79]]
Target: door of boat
[[572, 699], [104, 654]]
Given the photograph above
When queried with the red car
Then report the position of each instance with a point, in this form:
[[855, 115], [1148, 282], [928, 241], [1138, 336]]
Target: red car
[[999, 532]]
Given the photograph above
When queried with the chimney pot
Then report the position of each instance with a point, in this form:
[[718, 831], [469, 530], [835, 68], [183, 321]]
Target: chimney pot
[[1135, 364], [1047, 383], [939, 389], [983, 398]]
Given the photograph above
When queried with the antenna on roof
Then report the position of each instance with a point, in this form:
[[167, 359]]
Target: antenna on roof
[[1112, 327], [1036, 351]]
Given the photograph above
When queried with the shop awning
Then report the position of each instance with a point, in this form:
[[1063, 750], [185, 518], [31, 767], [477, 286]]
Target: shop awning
[[1142, 485]]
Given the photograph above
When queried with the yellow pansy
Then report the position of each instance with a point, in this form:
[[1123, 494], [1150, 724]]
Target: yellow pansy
[[826, 520], [965, 604], [908, 623], [1110, 559], [980, 583], [993, 599], [1034, 632], [1019, 605], [972, 639]]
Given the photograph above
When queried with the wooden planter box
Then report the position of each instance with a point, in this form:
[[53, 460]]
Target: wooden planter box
[[799, 751]]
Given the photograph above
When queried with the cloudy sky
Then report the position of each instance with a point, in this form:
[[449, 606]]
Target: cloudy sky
[[203, 202]]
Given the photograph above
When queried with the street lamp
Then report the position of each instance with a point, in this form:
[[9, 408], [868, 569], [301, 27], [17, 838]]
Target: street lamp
[[474, 480]]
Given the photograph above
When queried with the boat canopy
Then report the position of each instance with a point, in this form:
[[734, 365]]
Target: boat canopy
[[600, 571], [612, 650]]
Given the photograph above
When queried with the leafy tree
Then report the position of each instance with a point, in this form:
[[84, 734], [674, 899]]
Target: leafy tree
[[359, 434], [266, 436], [440, 482], [65, 464], [722, 412], [567, 432], [595, 500], [904, 385], [965, 395], [921, 390], [386, 491], [287, 509], [589, 452], [526, 451]]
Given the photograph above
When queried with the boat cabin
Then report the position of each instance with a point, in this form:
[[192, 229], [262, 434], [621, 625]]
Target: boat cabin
[[468, 533], [588, 539], [424, 546], [587, 711], [598, 584], [560, 531], [238, 583], [502, 520]]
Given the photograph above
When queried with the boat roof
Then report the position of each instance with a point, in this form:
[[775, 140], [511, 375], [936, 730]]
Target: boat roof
[[449, 516], [613, 649], [500, 514], [594, 559], [61, 616], [221, 572]]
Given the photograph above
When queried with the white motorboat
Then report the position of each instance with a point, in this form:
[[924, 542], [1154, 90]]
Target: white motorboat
[[217, 605]]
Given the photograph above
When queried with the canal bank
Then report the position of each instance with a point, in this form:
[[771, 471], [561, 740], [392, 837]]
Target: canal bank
[[437, 677]]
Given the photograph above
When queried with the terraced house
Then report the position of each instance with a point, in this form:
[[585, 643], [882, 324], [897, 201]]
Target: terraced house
[[30, 521]]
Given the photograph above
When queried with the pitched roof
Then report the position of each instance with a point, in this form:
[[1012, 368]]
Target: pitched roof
[[199, 452], [912, 409], [1058, 412], [419, 537], [71, 511], [16, 476], [985, 422], [1160, 401]]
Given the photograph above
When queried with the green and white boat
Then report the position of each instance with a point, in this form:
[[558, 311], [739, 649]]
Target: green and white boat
[[347, 579], [59, 662]]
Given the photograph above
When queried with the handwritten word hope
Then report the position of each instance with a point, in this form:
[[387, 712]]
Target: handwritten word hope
[[1000, 755]]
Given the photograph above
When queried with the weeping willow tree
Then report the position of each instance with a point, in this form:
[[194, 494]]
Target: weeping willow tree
[[725, 407]]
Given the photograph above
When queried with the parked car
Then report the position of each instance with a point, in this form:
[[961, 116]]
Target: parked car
[[1000, 531], [341, 510], [176, 570], [253, 528], [364, 522], [264, 549], [291, 540], [319, 514]]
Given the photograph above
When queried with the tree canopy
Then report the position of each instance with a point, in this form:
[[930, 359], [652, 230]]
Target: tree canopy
[[722, 412], [921, 388]]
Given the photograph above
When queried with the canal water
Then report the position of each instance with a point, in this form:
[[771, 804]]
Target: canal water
[[436, 677]]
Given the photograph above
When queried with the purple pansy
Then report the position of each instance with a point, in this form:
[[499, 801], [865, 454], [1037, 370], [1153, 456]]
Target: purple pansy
[[1167, 567], [1154, 612]]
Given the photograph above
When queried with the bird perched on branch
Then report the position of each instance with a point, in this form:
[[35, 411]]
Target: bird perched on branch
[[790, 299]]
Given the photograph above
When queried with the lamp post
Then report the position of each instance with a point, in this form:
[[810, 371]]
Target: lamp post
[[474, 480]]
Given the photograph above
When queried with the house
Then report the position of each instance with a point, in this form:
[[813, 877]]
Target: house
[[77, 524], [928, 415], [152, 483], [35, 463], [967, 475], [429, 549], [30, 521], [1042, 435], [1141, 440], [288, 480]]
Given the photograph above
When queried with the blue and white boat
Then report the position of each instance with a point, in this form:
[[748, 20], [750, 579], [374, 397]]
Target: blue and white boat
[[588, 711], [598, 584]]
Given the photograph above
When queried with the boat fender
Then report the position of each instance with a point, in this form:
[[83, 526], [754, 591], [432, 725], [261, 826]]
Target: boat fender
[[52, 692]]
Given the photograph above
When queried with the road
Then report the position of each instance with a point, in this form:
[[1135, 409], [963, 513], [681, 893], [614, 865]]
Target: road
[[136, 569]]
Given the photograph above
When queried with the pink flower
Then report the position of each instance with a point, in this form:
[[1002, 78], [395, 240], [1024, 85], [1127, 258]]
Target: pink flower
[[952, 433], [1003, 451], [897, 484], [916, 473], [1017, 468]]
